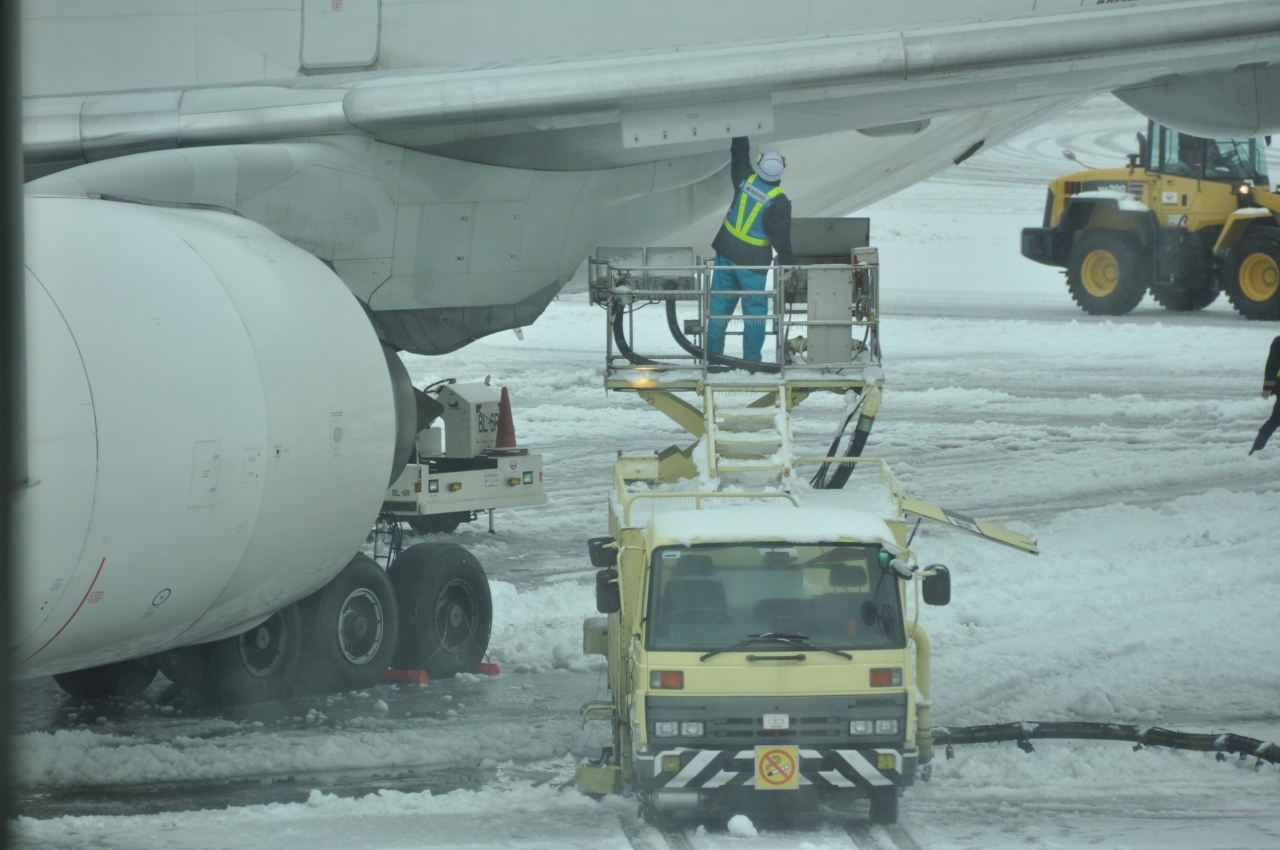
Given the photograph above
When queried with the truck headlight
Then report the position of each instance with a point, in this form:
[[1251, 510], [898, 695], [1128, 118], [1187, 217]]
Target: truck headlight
[[886, 727], [666, 729], [693, 729], [859, 727]]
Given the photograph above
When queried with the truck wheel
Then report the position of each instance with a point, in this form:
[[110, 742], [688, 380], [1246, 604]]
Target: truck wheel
[[1185, 299], [446, 611], [437, 523], [884, 806], [122, 679], [349, 627], [258, 665], [1107, 273], [1251, 276]]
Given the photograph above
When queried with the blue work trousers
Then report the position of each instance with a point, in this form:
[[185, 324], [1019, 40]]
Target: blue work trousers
[[729, 278]]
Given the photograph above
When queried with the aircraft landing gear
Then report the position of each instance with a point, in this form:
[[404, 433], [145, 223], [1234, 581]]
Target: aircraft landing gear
[[123, 679], [351, 626], [446, 607]]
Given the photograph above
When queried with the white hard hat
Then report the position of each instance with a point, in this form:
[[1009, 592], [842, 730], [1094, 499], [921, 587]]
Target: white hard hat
[[769, 165]]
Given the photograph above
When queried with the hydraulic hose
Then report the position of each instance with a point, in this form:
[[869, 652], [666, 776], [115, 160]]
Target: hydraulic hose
[[819, 479], [858, 440], [718, 359], [620, 337]]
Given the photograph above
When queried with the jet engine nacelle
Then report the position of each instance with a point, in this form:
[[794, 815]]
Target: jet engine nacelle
[[1238, 104], [211, 430]]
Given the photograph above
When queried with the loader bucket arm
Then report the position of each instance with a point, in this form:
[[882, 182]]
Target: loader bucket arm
[[981, 528]]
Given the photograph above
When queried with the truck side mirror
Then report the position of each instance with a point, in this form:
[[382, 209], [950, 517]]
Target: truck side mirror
[[608, 594], [936, 589], [600, 556]]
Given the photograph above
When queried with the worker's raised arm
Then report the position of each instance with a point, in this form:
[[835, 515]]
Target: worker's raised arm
[[740, 160]]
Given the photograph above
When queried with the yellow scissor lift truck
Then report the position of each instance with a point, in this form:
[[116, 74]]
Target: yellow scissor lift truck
[[1187, 218], [761, 631]]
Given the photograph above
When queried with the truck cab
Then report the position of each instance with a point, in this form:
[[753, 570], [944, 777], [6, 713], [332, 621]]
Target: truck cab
[[765, 649]]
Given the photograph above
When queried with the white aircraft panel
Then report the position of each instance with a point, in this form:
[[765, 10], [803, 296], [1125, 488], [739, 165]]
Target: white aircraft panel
[[339, 33]]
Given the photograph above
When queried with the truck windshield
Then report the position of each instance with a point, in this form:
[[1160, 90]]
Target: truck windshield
[[711, 597]]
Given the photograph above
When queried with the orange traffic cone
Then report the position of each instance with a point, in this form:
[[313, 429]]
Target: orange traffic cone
[[506, 428]]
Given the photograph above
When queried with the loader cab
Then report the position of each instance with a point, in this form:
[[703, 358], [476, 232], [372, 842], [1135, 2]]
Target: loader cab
[[1218, 160]]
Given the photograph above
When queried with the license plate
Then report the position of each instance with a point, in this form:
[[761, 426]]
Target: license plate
[[777, 768], [777, 721]]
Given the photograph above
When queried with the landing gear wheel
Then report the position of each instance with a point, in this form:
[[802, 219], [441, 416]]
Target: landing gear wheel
[[350, 627], [258, 665], [122, 679], [884, 806], [446, 610], [438, 523], [1183, 300], [1251, 276], [1107, 273]]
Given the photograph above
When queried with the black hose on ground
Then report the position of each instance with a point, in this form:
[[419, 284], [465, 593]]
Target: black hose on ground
[[1023, 733]]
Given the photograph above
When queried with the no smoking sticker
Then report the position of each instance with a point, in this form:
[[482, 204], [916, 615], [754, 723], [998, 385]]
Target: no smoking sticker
[[777, 768]]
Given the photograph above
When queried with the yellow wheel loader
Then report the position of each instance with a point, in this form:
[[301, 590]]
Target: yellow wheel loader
[[1187, 218]]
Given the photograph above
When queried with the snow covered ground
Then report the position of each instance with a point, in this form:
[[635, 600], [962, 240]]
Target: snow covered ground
[[1120, 444]]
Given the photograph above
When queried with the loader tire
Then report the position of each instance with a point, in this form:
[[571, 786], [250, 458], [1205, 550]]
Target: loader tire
[[1183, 300], [1251, 276], [1107, 272]]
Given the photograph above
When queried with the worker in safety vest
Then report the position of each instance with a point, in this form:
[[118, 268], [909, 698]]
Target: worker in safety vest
[[1269, 375], [757, 224]]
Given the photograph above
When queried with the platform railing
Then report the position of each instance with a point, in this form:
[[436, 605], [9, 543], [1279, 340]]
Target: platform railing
[[626, 287]]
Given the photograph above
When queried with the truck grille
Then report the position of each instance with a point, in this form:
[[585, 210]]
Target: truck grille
[[814, 721]]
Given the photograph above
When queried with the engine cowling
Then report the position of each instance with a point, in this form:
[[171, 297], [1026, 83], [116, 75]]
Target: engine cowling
[[1239, 104], [211, 430]]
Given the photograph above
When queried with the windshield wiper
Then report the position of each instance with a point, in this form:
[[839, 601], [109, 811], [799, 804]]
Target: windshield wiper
[[790, 641]]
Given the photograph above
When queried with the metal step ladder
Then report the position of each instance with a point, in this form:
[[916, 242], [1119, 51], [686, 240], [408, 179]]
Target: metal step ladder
[[748, 444]]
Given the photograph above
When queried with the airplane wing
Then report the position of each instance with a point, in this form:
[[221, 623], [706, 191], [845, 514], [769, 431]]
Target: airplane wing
[[620, 110]]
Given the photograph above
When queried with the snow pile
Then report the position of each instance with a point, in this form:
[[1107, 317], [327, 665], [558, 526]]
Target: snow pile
[[780, 521], [540, 628], [740, 826]]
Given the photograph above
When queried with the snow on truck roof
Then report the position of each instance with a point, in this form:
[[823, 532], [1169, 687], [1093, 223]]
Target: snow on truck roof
[[778, 521]]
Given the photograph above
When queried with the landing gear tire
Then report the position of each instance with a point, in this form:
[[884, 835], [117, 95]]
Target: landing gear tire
[[1251, 276], [446, 612], [258, 665], [123, 679], [350, 627], [1183, 300], [884, 806], [438, 523], [1107, 273]]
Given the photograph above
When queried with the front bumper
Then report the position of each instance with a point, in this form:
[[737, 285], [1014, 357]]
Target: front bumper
[[848, 772], [1038, 244]]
